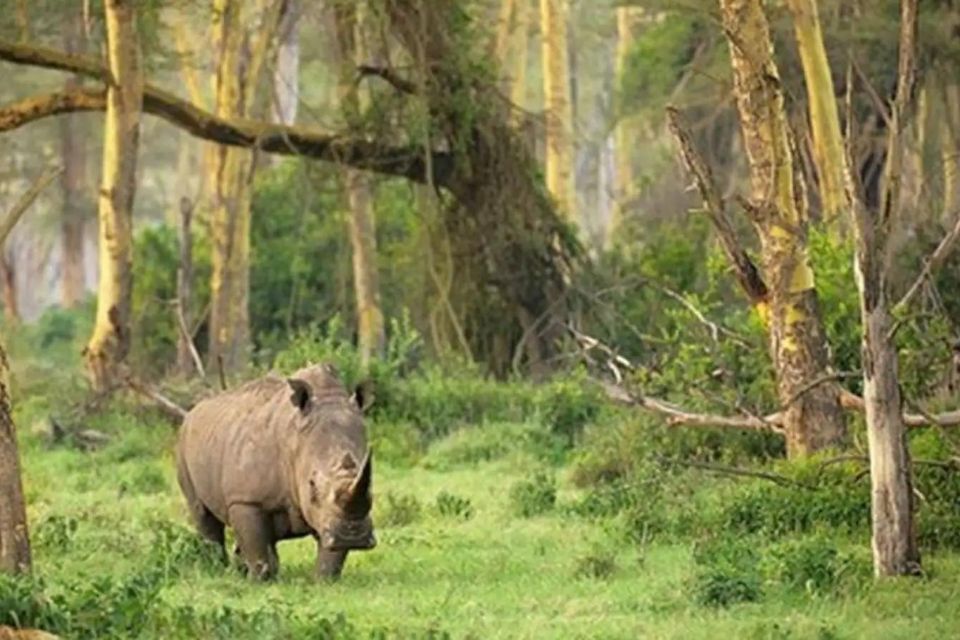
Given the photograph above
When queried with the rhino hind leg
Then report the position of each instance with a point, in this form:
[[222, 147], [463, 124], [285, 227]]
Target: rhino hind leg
[[207, 524], [330, 563], [255, 541]]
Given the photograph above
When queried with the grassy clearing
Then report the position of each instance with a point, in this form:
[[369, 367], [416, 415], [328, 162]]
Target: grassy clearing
[[454, 560]]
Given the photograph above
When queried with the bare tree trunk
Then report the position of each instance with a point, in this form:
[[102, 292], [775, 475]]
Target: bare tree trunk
[[184, 289], [517, 89], [76, 202], [895, 550], [559, 106], [14, 538], [286, 83], [824, 116], [625, 132], [812, 419], [950, 152], [242, 37], [8, 275], [107, 350], [371, 335]]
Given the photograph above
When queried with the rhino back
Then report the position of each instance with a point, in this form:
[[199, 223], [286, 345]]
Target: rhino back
[[231, 449]]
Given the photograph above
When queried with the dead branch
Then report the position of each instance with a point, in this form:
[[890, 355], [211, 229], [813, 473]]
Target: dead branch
[[389, 76], [408, 162], [188, 340], [715, 329], [746, 271], [168, 406], [782, 480], [931, 264], [13, 216], [222, 375], [816, 382]]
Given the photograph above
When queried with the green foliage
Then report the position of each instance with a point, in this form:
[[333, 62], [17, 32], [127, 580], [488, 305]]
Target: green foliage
[[453, 506], [54, 532], [534, 496], [599, 564], [473, 445], [396, 509], [815, 565], [729, 572]]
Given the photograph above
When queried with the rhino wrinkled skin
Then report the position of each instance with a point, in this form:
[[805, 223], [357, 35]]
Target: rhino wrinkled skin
[[276, 459]]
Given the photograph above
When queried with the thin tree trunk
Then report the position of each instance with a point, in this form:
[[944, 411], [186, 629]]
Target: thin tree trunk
[[824, 115], [625, 134], [517, 82], [286, 84], [184, 289], [14, 538], [813, 420], [895, 550], [559, 108], [8, 276], [73, 185], [371, 336], [950, 152], [107, 350], [239, 68]]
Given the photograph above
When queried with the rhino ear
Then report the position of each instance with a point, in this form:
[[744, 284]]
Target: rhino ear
[[301, 393], [363, 395]]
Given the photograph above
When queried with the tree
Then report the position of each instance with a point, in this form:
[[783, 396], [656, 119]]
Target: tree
[[558, 105], [895, 550], [243, 32], [812, 416], [14, 536], [73, 184], [822, 103], [361, 221], [107, 349]]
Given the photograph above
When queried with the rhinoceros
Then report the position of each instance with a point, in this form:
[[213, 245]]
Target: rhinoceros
[[276, 459]]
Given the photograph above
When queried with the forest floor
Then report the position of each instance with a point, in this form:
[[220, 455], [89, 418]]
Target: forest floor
[[464, 565]]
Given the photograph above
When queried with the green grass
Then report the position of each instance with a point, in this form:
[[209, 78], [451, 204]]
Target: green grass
[[491, 575]]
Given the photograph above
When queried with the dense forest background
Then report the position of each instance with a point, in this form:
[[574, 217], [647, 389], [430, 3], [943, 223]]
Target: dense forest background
[[607, 250]]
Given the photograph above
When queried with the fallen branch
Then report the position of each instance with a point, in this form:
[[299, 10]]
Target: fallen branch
[[168, 406], [677, 416], [389, 76], [715, 329], [816, 382]]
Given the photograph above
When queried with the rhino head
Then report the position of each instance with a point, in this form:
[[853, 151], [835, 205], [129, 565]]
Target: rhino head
[[332, 485]]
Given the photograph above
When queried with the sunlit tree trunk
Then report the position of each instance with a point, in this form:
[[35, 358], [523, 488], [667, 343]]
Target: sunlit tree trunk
[[517, 80], [559, 108], [895, 550], [241, 34], [950, 151], [14, 539], [286, 84], [371, 337], [812, 418], [73, 187], [625, 134], [824, 116], [110, 342]]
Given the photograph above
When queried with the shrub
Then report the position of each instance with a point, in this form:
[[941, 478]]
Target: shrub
[[482, 443], [814, 565], [599, 564], [396, 510], [397, 443], [728, 573], [534, 496], [55, 532], [453, 506]]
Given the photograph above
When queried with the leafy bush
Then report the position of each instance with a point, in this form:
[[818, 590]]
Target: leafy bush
[[396, 509], [729, 571], [535, 496], [398, 443], [482, 443], [599, 564], [815, 565], [453, 506]]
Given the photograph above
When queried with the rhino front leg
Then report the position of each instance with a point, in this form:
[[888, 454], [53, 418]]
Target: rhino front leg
[[255, 541], [329, 563]]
